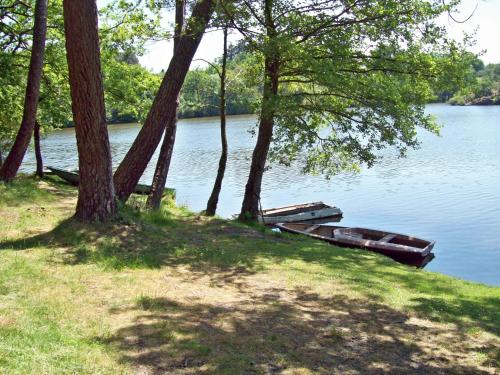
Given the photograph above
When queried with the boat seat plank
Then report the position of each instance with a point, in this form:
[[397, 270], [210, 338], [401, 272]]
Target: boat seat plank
[[388, 237], [311, 228]]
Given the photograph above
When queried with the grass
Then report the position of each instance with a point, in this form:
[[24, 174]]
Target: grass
[[174, 292]]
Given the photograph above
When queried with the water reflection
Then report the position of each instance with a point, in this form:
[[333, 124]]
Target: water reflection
[[446, 191]]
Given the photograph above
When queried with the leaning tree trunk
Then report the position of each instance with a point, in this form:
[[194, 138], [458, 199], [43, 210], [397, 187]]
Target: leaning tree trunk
[[38, 150], [163, 110], [163, 163], [214, 197], [13, 161], [167, 147], [96, 197], [250, 206]]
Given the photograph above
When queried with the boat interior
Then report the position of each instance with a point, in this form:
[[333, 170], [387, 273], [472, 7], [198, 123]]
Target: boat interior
[[359, 233], [320, 230], [295, 209]]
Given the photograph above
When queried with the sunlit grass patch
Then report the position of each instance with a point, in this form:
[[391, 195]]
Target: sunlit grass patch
[[23, 190], [40, 330]]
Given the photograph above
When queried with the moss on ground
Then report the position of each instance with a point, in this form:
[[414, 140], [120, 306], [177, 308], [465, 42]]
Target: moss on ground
[[174, 292]]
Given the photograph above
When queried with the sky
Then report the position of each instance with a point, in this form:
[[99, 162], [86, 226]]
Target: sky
[[485, 21]]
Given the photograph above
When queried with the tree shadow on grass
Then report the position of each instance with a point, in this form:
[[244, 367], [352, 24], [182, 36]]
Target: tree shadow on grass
[[301, 332], [224, 251]]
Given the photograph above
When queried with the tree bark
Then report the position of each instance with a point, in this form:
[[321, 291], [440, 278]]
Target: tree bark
[[163, 110], [250, 206], [38, 150], [214, 197], [167, 147], [13, 161], [96, 198]]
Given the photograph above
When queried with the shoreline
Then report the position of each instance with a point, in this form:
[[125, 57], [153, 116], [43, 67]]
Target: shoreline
[[243, 115]]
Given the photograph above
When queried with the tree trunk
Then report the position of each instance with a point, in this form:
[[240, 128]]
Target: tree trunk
[[38, 151], [1, 158], [14, 159], [250, 206], [163, 110], [96, 198], [214, 197], [167, 147]]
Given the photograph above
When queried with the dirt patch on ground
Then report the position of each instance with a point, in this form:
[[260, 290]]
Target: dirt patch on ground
[[241, 323], [65, 198]]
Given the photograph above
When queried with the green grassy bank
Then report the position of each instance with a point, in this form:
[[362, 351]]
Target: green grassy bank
[[172, 292]]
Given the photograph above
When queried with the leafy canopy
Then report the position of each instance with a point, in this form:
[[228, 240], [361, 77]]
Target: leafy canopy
[[125, 28], [354, 76]]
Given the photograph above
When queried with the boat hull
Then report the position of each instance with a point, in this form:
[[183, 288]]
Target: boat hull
[[73, 178], [300, 212], [403, 254], [332, 212]]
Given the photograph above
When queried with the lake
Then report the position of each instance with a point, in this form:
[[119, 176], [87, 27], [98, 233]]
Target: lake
[[448, 190]]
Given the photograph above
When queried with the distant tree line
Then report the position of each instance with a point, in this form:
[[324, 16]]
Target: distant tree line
[[482, 87], [200, 92]]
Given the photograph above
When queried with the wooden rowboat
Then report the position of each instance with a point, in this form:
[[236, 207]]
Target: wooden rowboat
[[68, 176], [73, 178], [300, 212], [402, 248]]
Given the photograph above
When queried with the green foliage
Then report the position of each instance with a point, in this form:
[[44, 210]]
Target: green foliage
[[200, 92], [128, 25], [364, 101], [14, 37], [54, 109], [353, 79], [483, 86], [11, 103], [129, 89], [125, 27]]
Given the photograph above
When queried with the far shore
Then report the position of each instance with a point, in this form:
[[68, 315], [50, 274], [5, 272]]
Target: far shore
[[243, 115]]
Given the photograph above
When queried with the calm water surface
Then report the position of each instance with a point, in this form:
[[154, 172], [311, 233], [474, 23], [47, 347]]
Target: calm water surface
[[448, 190]]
